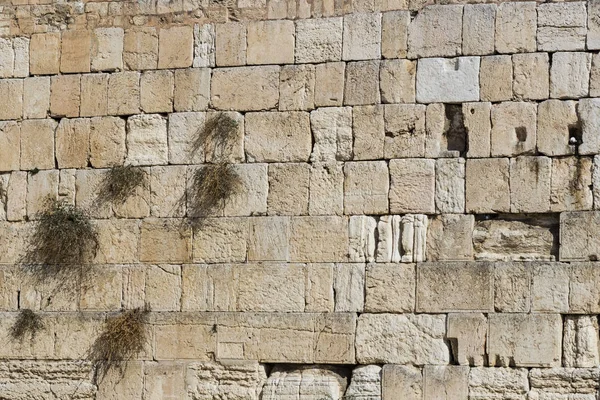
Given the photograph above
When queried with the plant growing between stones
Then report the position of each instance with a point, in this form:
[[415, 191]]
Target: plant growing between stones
[[123, 337], [216, 137], [212, 186], [27, 322], [120, 182]]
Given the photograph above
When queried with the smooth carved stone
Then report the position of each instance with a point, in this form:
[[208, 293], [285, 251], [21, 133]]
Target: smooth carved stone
[[318, 40], [156, 91], [192, 89], [365, 383], [436, 32], [498, 383], [270, 42], [402, 339], [448, 80], [175, 47], [580, 342], [244, 380], [75, 51], [361, 231], [302, 382], [560, 383], [94, 95], [45, 53], [230, 43], [329, 84]]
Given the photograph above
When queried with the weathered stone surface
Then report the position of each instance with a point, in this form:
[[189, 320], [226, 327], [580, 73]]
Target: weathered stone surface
[[448, 80], [329, 84], [555, 125], [402, 339], [107, 49], [156, 91], [129, 384], [45, 53], [73, 143], [580, 342], [412, 186], [525, 340], [401, 238], [163, 287], [551, 38], [268, 239], [397, 81], [118, 241], [450, 237], [192, 89], [450, 185], [478, 126], [230, 44], [365, 383], [362, 83], [467, 334], [241, 380], [496, 78], [42, 188], [369, 132], [147, 140], [401, 380], [10, 146], [36, 97], [478, 29], [221, 240], [589, 117], [175, 47], [436, 32], [366, 187], [579, 239], [390, 288], [87, 186], [94, 95], [498, 383], [288, 133], [404, 130], [251, 197], [297, 87], [65, 93], [550, 287], [124, 93], [164, 379], [570, 75], [361, 238], [318, 40], [301, 382], [270, 42], [394, 34], [513, 128], [584, 293], [530, 182], [349, 287], [319, 288], [326, 193], [107, 142], [332, 131], [11, 91], [286, 199], [204, 45], [245, 88], [487, 185], [512, 287], [140, 48], [447, 382], [75, 51], [571, 184], [531, 76], [362, 36], [516, 25], [21, 65], [165, 241], [561, 383], [561, 26]]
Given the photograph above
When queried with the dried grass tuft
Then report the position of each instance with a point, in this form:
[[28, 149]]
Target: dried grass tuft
[[121, 182], [216, 137], [27, 322]]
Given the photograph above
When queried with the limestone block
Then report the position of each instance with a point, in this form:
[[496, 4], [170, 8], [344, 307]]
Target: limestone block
[[252, 197], [332, 132], [163, 287], [454, 286], [36, 97], [595, 76], [562, 14], [560, 383], [105, 293], [318, 40], [65, 91], [286, 199], [516, 25], [571, 183], [183, 138], [390, 288], [362, 36], [107, 49], [394, 34], [477, 123], [362, 83], [156, 91], [447, 382], [304, 382], [593, 36], [75, 51], [124, 93], [94, 95], [448, 80], [147, 140], [349, 287], [16, 196], [245, 380], [195, 287], [450, 237], [398, 81], [21, 66], [361, 238], [73, 143], [230, 43], [164, 240], [176, 47], [496, 78], [87, 186], [478, 29], [570, 75], [396, 238], [487, 185], [556, 122], [116, 386], [45, 53], [401, 380], [530, 183], [140, 48], [66, 186], [562, 26], [513, 128], [10, 146], [595, 179], [416, 339], [41, 188], [589, 118], [498, 383], [107, 142], [297, 87], [450, 185], [335, 343], [11, 90], [445, 134], [412, 186], [319, 239], [550, 287], [245, 88], [467, 334], [118, 241], [584, 294], [164, 380], [515, 238], [329, 84], [192, 89], [326, 189], [204, 46], [436, 31], [137, 204], [365, 383], [366, 187], [270, 42], [14, 238], [512, 283], [531, 76], [524, 340], [580, 341], [288, 133], [369, 132], [7, 58], [268, 239], [404, 130], [221, 240], [76, 333], [167, 189], [551, 38]]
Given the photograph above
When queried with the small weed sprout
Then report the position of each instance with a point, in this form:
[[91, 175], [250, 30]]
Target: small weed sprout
[[120, 182], [216, 137], [212, 186], [27, 322], [123, 337]]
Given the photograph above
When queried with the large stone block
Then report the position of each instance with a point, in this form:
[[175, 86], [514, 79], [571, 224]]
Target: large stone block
[[394, 34], [156, 91], [531, 76], [556, 122], [479, 21], [530, 182], [550, 38], [562, 26], [75, 51], [467, 334], [221, 240], [268, 239], [251, 198], [487, 185], [450, 237], [10, 146], [361, 237], [288, 135], [304, 381], [329, 84], [570, 75], [332, 132], [230, 43], [65, 96], [402, 238], [369, 132], [165, 240], [245, 380], [362, 83], [580, 341], [571, 184], [319, 239], [11, 90], [163, 287], [366, 187], [436, 32], [401, 380], [286, 199], [118, 241], [365, 383], [362, 36], [412, 186], [404, 130], [164, 380], [390, 288], [583, 290], [498, 383], [41, 188], [297, 87], [204, 45], [326, 189], [513, 128], [397, 81], [107, 49], [445, 383], [550, 287], [270, 42], [450, 185], [147, 140], [245, 88], [478, 125], [94, 95], [73, 143], [45, 53], [589, 118], [564, 382], [579, 237], [36, 97], [176, 47], [318, 40], [516, 25], [512, 283], [21, 65], [129, 384], [167, 189], [192, 89], [124, 93], [107, 142], [496, 78], [448, 80], [140, 48]]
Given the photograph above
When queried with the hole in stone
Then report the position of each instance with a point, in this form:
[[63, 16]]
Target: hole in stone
[[575, 135], [472, 111], [521, 133], [455, 132]]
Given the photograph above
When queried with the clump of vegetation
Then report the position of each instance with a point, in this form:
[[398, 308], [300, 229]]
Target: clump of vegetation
[[216, 137], [120, 182], [27, 322], [211, 187], [123, 337], [63, 243]]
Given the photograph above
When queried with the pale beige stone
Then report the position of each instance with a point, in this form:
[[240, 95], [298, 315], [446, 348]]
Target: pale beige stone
[[147, 140], [124, 93], [361, 238], [21, 65], [270, 42], [404, 130], [7, 58], [412, 186], [66, 186], [107, 49], [531, 76], [116, 386], [14, 238], [245, 380], [156, 91], [245, 88], [498, 383], [496, 78], [16, 196], [530, 183], [163, 287], [436, 32], [318, 40], [204, 45], [516, 25], [398, 79], [75, 51], [232, 149], [164, 240], [107, 142], [304, 381], [45, 53], [563, 382], [192, 89], [448, 80], [288, 133], [11, 91], [42, 188], [221, 240], [570, 14], [369, 132], [362, 83], [230, 43], [447, 382], [513, 128], [587, 109], [326, 195], [349, 287], [524, 340], [557, 121], [118, 241], [479, 21], [394, 34], [467, 334], [297, 87], [362, 36], [87, 186], [37, 143], [512, 283], [167, 189], [318, 239], [550, 287], [571, 184], [164, 379], [401, 380], [183, 134], [36, 97], [94, 95], [390, 288], [65, 91], [332, 134], [140, 48], [578, 236], [583, 290], [366, 187], [319, 288], [450, 237], [450, 185], [365, 383], [580, 341], [285, 198], [10, 146], [570, 75], [73, 143], [329, 84], [550, 38], [105, 293], [478, 125], [176, 47], [137, 203], [251, 199], [487, 185], [268, 239]]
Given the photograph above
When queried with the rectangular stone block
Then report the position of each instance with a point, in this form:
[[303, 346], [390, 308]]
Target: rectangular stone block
[[107, 49], [319, 239], [164, 240], [366, 187], [448, 382], [75, 51], [288, 133], [192, 89], [487, 185], [478, 29], [329, 84], [496, 78], [94, 95], [477, 122], [230, 44], [124, 93], [436, 31], [571, 184], [512, 283], [516, 25], [467, 334], [498, 383], [268, 239], [37, 144], [450, 185], [204, 45], [583, 290], [530, 183], [156, 91], [513, 128], [45, 53], [587, 109], [401, 380], [404, 130], [297, 87], [65, 96], [10, 146], [362, 83], [349, 287], [557, 121], [147, 140], [444, 80], [251, 199], [564, 382], [390, 288], [164, 379], [394, 34], [318, 40], [332, 134], [397, 81], [450, 237], [286, 199], [107, 142], [412, 186], [11, 90], [362, 36], [579, 239], [73, 143], [176, 47], [196, 341], [270, 42], [41, 188], [140, 48], [570, 75], [118, 240], [531, 76], [36, 97], [580, 341], [326, 189], [245, 88], [221, 240], [550, 287]]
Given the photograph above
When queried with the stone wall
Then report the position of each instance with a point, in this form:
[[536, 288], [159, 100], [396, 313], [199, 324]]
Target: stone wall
[[417, 216]]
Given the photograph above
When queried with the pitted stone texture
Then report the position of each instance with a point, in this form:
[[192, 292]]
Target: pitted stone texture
[[570, 75], [45, 53], [450, 185], [478, 29], [401, 380], [156, 91], [288, 134], [41, 188], [204, 46], [72, 143], [589, 117], [165, 240], [516, 25], [478, 126], [65, 91], [404, 130], [319, 239], [286, 199], [513, 128], [147, 140], [245, 88], [318, 40], [297, 87], [270, 42], [124, 93], [412, 186], [530, 184], [402, 339], [230, 42], [498, 383], [176, 47], [584, 289], [525, 340], [362, 83], [512, 283], [443, 80], [192, 89], [580, 341], [349, 287], [329, 84], [436, 32], [361, 238], [555, 123], [579, 236], [394, 34], [326, 190], [561, 39], [467, 334], [445, 383], [305, 382], [140, 48], [366, 187], [531, 76], [94, 95], [269, 239], [369, 132], [496, 78], [398, 79], [117, 385], [332, 131], [562, 26], [362, 36], [450, 237], [107, 49], [390, 288], [571, 184], [365, 383], [487, 185], [564, 383]]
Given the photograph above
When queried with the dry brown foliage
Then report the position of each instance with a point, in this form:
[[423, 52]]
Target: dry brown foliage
[[27, 322], [216, 137], [121, 182]]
